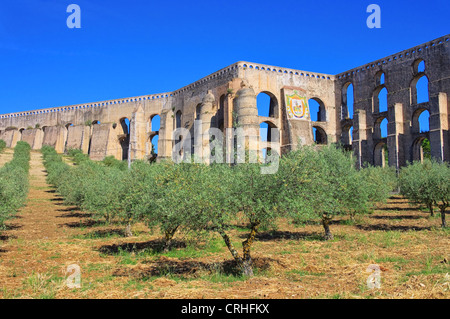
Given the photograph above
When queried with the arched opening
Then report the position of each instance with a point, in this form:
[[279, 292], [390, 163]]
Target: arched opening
[[124, 138], [422, 90], [380, 156], [68, 125], [265, 153], [267, 136], [198, 111], [384, 128], [154, 151], [380, 78], [419, 66], [178, 119], [424, 121], [265, 131], [347, 101], [317, 110], [421, 121], [267, 105], [155, 123], [380, 128], [221, 113], [421, 149], [383, 100], [419, 89], [347, 136], [95, 122], [320, 136]]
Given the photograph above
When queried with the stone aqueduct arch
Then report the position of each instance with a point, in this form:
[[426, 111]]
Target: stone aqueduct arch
[[230, 95]]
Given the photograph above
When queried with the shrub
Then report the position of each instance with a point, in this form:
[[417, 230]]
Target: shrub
[[14, 182], [111, 161]]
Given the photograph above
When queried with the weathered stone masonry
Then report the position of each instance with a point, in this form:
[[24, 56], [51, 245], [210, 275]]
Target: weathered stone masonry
[[99, 128]]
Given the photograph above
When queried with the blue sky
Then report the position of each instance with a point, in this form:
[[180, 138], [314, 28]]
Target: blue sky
[[129, 48]]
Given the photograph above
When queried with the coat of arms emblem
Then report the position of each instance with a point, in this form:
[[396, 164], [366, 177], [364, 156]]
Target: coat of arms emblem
[[297, 106]]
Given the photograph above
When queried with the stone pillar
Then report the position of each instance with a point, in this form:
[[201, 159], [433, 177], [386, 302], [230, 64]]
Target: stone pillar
[[78, 137], [397, 155], [34, 137], [138, 134], [11, 137], [247, 122], [439, 128], [360, 137], [55, 136], [104, 142], [208, 121], [165, 135]]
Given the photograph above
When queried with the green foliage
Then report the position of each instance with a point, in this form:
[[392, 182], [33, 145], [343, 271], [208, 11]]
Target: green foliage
[[14, 182], [426, 148], [111, 161], [322, 183], [381, 182], [2, 145], [427, 183], [77, 156]]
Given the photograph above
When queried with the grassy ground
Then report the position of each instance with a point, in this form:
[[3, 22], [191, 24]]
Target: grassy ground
[[410, 248]]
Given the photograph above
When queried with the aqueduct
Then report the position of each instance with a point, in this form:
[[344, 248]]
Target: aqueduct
[[352, 108]]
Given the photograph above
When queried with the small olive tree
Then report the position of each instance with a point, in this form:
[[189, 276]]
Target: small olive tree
[[417, 185], [233, 193], [427, 183], [381, 182], [322, 182]]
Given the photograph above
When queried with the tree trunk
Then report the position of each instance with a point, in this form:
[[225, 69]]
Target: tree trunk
[[243, 265], [444, 224], [246, 246], [128, 231], [430, 207], [326, 227], [168, 235]]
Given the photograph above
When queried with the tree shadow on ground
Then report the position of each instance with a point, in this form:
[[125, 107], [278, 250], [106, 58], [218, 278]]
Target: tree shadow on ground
[[69, 209], [105, 233], [155, 245], [385, 227], [82, 224], [7, 237], [11, 227], [51, 191], [74, 214], [398, 217], [276, 235], [164, 266], [410, 208]]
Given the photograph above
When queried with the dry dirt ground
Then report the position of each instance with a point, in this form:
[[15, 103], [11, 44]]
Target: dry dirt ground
[[6, 156], [293, 262]]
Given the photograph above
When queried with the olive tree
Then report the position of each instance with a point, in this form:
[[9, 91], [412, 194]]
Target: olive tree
[[441, 188], [381, 182], [427, 183], [417, 185], [322, 182], [233, 193]]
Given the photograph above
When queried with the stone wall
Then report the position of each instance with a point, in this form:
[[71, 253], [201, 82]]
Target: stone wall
[[228, 97]]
